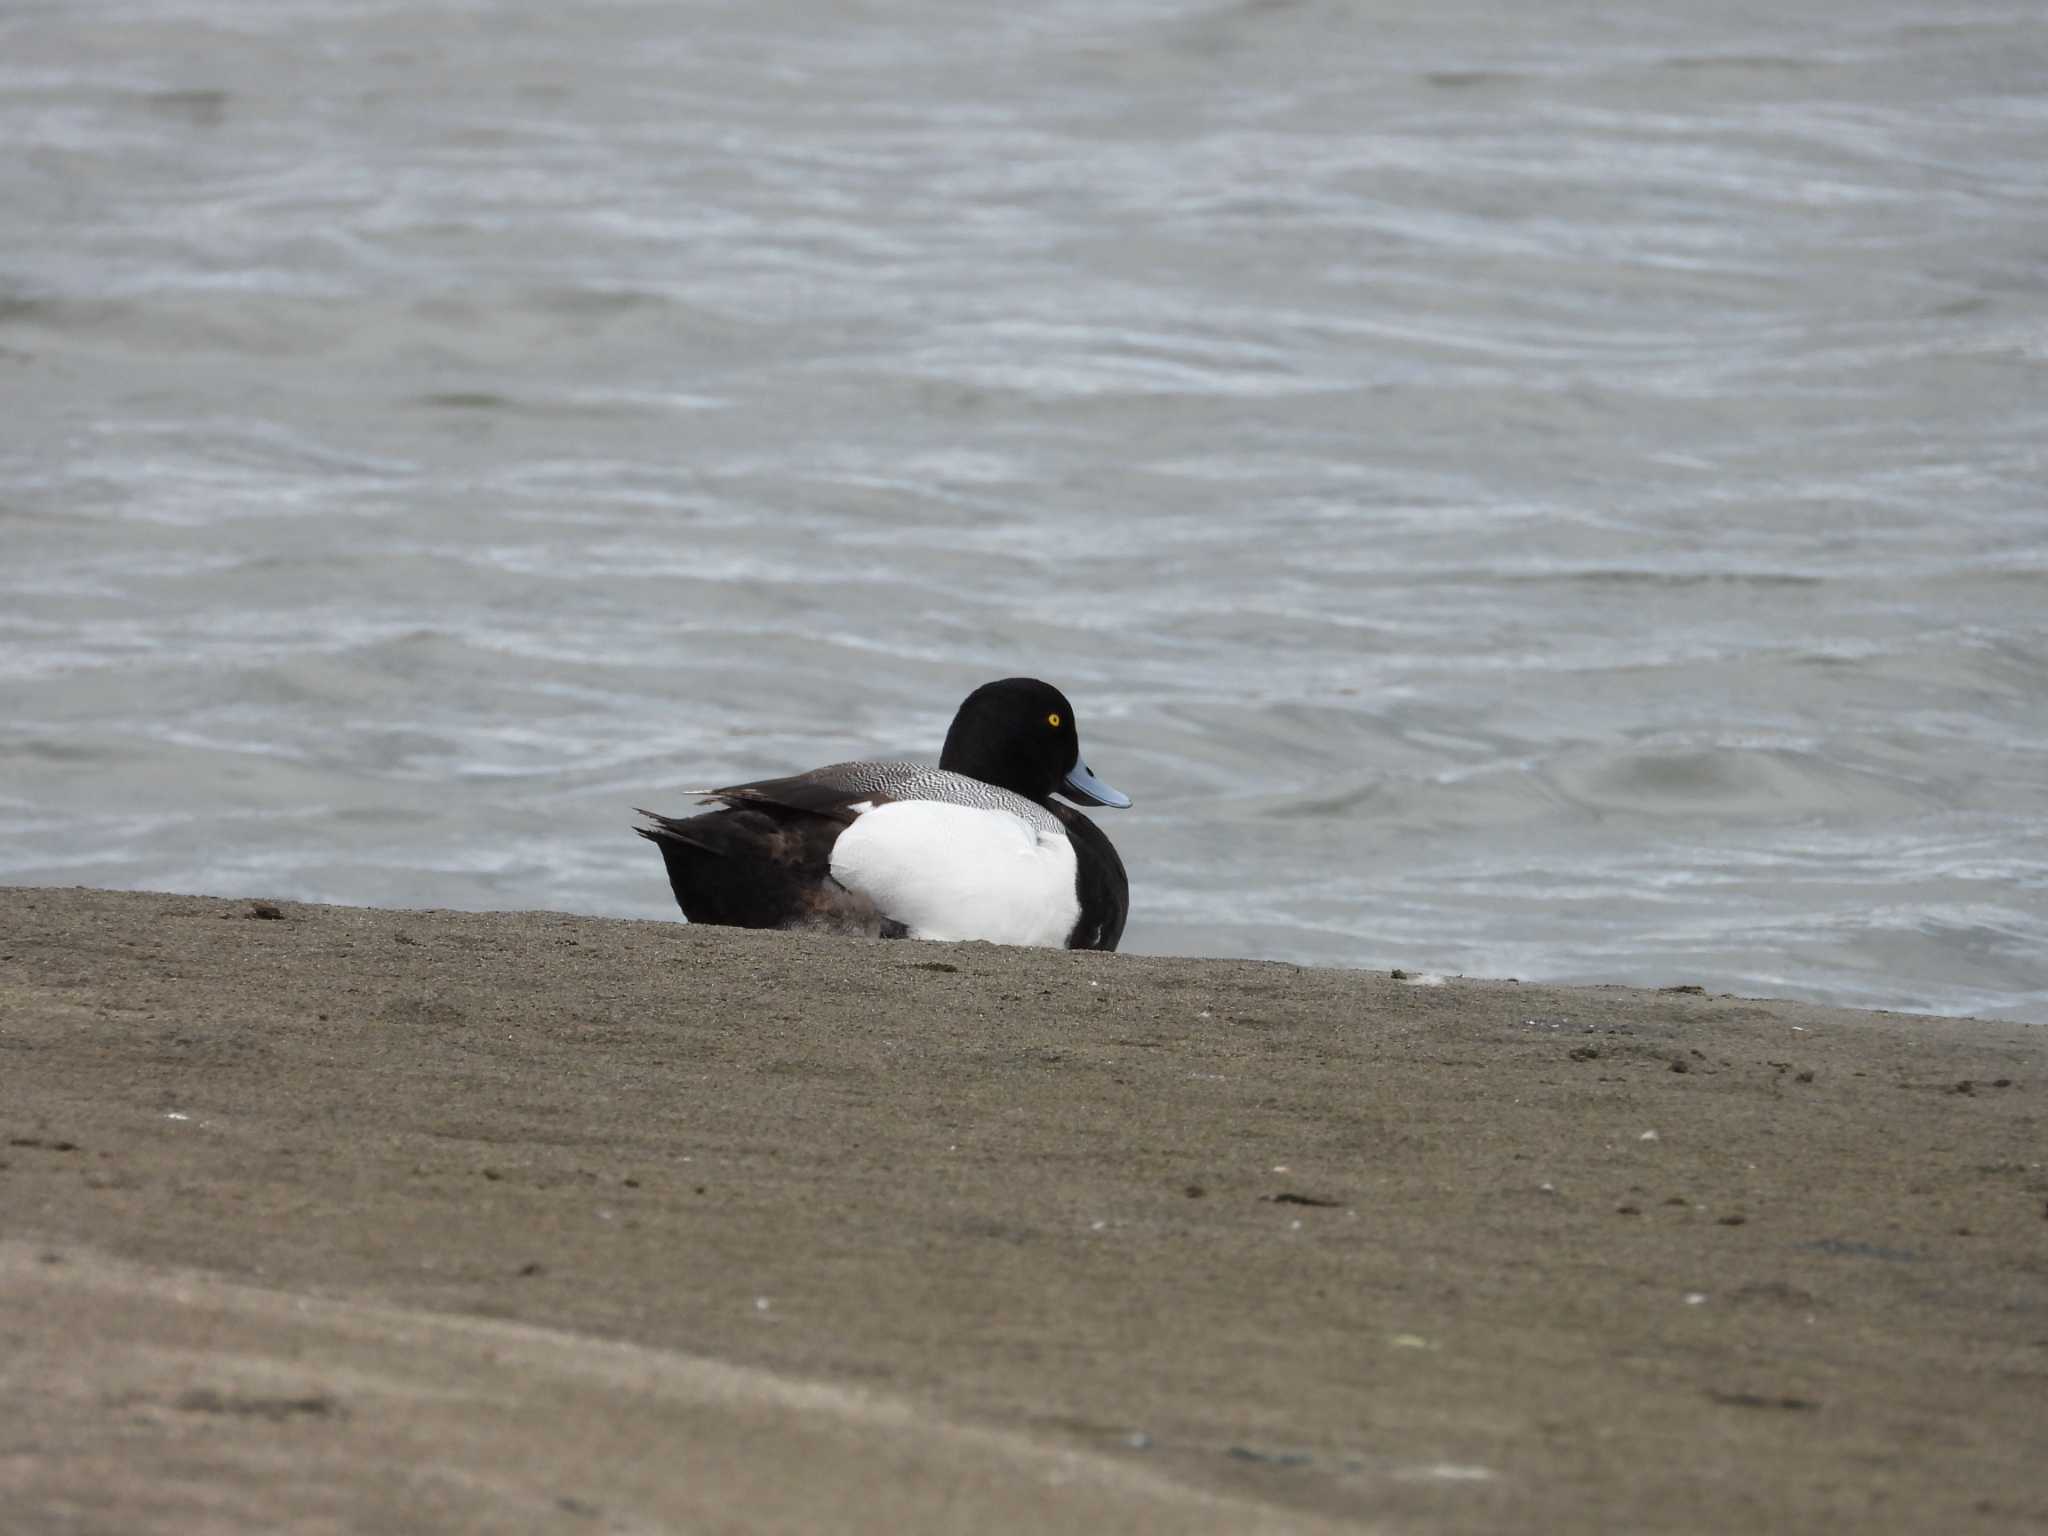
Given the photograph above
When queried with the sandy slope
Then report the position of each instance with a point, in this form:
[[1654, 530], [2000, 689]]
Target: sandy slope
[[387, 1221]]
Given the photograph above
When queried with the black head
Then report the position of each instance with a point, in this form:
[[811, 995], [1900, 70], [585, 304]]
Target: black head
[[1019, 734]]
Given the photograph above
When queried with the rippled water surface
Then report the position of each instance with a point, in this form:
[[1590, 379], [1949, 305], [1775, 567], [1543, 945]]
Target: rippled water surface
[[1552, 491]]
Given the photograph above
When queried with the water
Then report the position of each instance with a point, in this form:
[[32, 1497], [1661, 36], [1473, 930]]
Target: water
[[1546, 491]]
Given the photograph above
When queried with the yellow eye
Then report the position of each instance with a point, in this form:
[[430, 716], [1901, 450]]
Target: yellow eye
[[1052, 720]]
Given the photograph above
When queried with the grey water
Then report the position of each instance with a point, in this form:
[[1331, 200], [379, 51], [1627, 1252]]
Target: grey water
[[1548, 491]]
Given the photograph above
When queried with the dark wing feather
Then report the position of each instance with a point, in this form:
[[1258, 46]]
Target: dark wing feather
[[803, 792]]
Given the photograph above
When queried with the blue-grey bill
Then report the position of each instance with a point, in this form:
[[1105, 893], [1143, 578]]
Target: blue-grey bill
[[1084, 788]]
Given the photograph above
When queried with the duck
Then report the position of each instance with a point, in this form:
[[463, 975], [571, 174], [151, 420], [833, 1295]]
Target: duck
[[975, 848]]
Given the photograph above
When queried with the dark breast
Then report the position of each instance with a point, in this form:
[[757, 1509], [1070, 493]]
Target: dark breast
[[1104, 889]]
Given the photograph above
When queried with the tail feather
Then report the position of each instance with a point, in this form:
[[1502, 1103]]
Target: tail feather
[[737, 867], [761, 866], [671, 829]]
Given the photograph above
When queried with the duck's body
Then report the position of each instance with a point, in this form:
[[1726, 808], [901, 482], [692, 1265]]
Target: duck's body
[[972, 849]]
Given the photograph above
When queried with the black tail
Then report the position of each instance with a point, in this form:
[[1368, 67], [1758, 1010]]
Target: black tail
[[740, 867], [665, 830]]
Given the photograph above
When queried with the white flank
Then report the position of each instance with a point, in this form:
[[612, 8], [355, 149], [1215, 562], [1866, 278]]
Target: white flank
[[960, 872]]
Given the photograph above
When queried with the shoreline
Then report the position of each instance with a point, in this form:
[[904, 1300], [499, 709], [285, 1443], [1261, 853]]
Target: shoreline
[[949, 1235]]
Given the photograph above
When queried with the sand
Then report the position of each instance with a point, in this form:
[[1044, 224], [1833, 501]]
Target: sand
[[324, 1218]]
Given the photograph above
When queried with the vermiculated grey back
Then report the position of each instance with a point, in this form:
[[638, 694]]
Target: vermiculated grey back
[[861, 780]]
